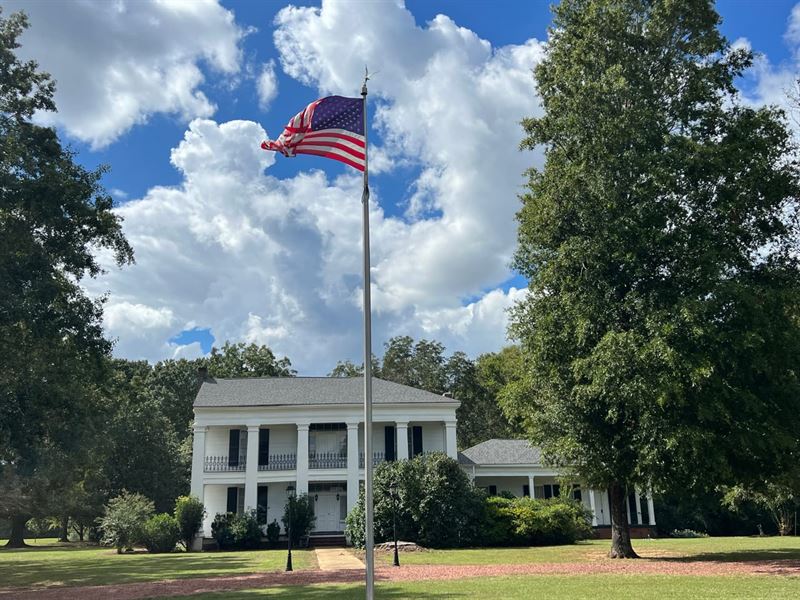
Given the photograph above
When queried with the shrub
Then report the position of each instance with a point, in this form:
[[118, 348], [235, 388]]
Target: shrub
[[123, 520], [273, 532], [529, 522], [233, 531], [687, 533], [437, 505], [160, 533], [189, 512], [302, 513], [221, 530], [245, 530]]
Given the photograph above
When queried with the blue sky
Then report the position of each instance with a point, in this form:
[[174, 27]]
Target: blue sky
[[235, 244]]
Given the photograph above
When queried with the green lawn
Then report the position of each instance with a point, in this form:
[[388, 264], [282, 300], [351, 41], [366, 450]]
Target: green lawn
[[719, 548], [595, 587], [50, 564]]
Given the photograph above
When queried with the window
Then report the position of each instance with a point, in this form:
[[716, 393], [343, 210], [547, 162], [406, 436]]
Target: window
[[233, 447], [415, 435], [261, 510], [492, 489], [233, 499], [263, 446], [389, 435], [551, 490], [526, 491]]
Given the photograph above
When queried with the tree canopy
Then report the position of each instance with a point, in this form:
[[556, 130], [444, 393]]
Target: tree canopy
[[660, 334]]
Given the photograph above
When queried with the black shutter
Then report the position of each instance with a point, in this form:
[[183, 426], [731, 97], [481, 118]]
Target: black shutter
[[263, 447], [261, 510], [233, 448], [417, 440], [556, 491], [389, 442], [548, 492], [233, 499], [526, 490], [493, 490]]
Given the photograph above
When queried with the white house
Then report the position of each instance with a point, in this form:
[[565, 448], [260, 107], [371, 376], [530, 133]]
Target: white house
[[256, 437]]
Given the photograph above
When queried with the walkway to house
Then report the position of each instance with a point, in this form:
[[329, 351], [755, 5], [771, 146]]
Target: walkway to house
[[337, 559]]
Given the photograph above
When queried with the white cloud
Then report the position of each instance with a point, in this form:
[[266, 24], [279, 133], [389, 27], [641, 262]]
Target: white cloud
[[267, 85], [278, 261], [117, 63]]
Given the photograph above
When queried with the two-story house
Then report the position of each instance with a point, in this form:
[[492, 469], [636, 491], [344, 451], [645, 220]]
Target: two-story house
[[254, 438]]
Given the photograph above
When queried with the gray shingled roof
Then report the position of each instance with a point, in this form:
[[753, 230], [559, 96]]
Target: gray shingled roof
[[501, 452], [298, 391]]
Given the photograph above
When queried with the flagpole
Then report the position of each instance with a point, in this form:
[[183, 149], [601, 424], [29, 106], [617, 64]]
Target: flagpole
[[368, 521]]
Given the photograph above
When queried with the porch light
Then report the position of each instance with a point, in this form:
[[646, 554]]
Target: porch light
[[290, 494]]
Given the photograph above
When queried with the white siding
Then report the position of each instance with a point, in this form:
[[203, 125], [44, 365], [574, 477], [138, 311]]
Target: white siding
[[282, 438], [432, 437], [217, 439]]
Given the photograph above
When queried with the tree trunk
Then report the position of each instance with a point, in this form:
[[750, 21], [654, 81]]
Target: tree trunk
[[63, 535], [620, 529], [17, 537]]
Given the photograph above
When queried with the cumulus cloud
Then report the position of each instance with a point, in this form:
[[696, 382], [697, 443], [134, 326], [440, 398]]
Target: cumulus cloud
[[278, 261], [116, 63], [267, 85]]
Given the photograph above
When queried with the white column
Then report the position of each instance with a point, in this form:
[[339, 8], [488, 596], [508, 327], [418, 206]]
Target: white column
[[651, 511], [450, 439], [593, 506], [352, 465], [402, 440], [302, 459], [251, 469], [198, 461], [638, 507], [530, 485]]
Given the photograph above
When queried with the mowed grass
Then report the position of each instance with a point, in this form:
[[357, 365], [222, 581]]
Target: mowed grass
[[644, 587], [51, 564], [711, 548]]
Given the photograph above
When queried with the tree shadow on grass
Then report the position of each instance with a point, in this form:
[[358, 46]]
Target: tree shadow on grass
[[739, 556], [329, 592], [123, 568]]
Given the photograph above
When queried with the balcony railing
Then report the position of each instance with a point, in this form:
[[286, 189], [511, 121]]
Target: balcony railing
[[377, 457], [225, 463], [327, 460], [280, 462]]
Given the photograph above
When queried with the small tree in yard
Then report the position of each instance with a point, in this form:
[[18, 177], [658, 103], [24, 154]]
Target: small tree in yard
[[189, 512], [124, 520], [780, 499], [161, 533], [301, 511], [660, 334]]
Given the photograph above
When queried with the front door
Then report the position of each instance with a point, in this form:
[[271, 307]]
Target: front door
[[326, 509]]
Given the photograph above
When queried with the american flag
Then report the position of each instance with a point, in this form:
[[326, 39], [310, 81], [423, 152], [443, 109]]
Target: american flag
[[332, 127]]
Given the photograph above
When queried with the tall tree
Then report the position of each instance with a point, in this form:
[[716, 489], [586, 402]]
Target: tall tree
[[54, 215], [660, 332]]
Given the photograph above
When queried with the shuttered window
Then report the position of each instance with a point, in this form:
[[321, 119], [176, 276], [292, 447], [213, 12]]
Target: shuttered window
[[233, 499], [416, 440], [233, 447], [263, 446], [261, 511], [389, 435]]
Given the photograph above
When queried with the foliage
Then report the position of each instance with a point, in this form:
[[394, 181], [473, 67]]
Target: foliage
[[779, 498], [660, 332], [39, 526], [437, 506], [232, 531], [161, 533], [54, 217], [273, 532], [189, 512], [221, 530], [687, 533], [301, 512], [123, 520], [534, 522]]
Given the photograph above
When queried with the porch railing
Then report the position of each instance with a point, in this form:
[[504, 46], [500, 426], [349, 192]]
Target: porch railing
[[327, 460], [377, 457], [280, 462], [225, 463]]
